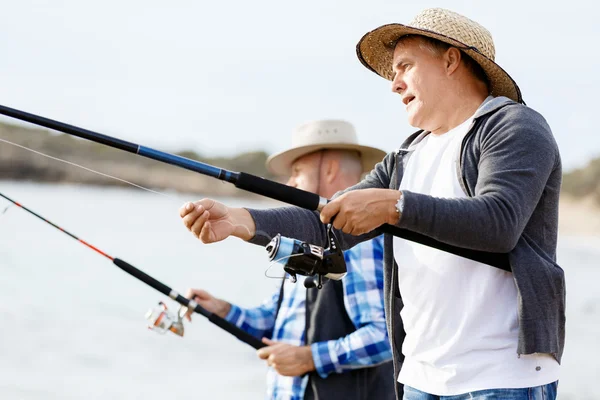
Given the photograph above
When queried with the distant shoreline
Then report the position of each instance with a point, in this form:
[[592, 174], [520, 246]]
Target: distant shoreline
[[18, 164]]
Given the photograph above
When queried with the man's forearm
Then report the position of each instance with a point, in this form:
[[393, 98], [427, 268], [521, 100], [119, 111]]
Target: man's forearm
[[298, 223], [288, 221], [244, 226]]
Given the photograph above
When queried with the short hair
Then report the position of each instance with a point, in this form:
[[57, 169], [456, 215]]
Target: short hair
[[437, 47]]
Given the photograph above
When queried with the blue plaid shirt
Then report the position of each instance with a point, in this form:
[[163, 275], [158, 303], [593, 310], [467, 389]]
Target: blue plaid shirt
[[363, 300]]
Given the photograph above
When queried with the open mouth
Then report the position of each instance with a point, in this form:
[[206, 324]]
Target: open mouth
[[408, 99]]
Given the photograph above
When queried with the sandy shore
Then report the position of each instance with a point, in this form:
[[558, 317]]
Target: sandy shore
[[579, 217]]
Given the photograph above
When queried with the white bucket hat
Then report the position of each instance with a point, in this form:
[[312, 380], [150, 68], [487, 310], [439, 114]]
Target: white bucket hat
[[322, 135], [376, 48]]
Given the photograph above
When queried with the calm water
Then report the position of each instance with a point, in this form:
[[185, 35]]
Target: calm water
[[73, 324]]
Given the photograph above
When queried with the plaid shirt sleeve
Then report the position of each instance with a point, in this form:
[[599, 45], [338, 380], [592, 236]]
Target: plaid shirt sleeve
[[258, 321], [363, 299]]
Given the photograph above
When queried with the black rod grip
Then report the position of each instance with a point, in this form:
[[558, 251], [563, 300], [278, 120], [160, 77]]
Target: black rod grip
[[498, 260], [277, 191], [142, 276], [237, 332]]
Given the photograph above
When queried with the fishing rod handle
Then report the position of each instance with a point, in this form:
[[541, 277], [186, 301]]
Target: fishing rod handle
[[498, 260], [236, 331], [280, 191], [142, 276]]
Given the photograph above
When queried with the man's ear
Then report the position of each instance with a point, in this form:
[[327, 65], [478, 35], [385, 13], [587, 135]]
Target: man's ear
[[331, 169], [452, 59]]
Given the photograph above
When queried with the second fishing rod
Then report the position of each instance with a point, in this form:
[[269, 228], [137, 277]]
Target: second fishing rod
[[160, 319], [251, 183]]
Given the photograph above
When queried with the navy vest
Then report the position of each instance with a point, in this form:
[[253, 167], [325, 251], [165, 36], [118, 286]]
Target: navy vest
[[327, 319]]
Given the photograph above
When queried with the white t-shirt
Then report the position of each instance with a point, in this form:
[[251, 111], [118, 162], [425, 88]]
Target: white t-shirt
[[460, 316]]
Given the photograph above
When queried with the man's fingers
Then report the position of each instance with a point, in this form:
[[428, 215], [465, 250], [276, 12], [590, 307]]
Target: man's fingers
[[356, 231], [189, 207], [201, 294], [190, 310], [186, 209], [189, 220], [267, 353], [264, 353], [190, 295], [206, 234], [199, 224], [329, 211], [346, 228], [340, 221], [197, 295], [191, 217]]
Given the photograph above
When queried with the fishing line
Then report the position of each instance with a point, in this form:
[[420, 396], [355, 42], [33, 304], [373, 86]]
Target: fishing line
[[275, 262], [88, 169]]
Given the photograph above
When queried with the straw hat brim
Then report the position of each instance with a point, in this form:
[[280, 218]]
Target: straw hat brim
[[376, 48], [281, 163]]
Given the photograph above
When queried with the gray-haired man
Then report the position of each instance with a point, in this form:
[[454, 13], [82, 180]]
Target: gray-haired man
[[331, 342]]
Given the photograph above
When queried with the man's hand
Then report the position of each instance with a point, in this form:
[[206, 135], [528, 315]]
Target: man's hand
[[211, 221], [361, 211], [208, 301], [287, 359]]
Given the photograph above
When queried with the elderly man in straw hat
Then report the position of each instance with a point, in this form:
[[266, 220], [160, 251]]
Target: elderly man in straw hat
[[483, 172], [332, 342]]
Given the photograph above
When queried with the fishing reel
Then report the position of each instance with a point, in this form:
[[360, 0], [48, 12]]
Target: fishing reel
[[160, 319], [301, 258]]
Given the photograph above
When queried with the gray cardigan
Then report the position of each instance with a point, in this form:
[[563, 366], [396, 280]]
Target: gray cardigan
[[511, 170]]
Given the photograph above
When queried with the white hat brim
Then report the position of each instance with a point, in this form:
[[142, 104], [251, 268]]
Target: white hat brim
[[281, 163]]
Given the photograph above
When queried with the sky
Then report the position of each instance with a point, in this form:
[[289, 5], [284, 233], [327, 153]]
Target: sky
[[223, 77]]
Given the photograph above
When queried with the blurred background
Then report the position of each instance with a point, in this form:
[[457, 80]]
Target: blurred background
[[226, 83]]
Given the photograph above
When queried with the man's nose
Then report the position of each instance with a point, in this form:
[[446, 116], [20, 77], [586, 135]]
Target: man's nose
[[398, 85], [291, 182]]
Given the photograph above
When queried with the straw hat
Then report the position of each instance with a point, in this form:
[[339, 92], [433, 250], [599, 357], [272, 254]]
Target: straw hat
[[321, 135], [375, 49]]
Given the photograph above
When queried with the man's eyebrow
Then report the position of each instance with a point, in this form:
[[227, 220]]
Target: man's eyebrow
[[396, 63]]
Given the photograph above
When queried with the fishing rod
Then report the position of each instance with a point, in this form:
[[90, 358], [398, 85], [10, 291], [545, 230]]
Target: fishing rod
[[161, 320], [251, 183]]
